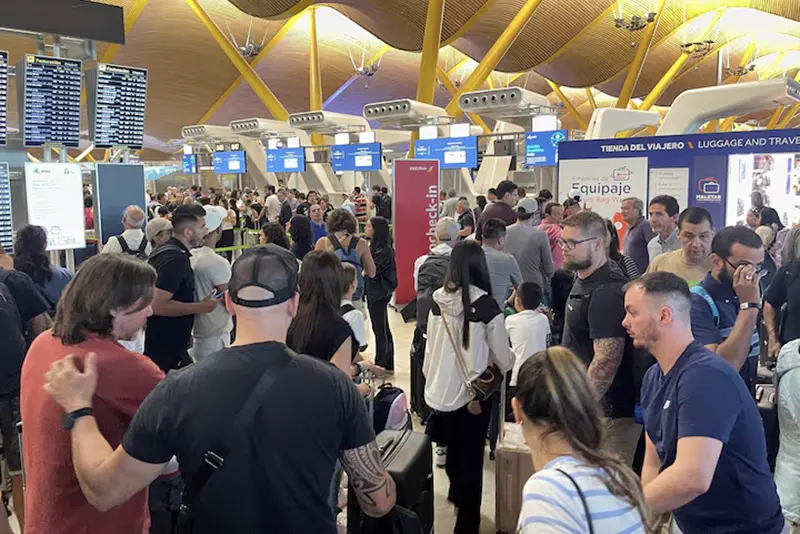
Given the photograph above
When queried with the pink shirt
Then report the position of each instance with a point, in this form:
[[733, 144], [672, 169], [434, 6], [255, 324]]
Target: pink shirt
[[553, 232]]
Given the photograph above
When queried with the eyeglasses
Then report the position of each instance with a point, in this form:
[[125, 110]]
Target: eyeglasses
[[569, 244], [761, 272]]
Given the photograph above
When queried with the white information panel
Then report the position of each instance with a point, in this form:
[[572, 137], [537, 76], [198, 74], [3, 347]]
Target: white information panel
[[455, 157], [603, 183], [364, 161], [54, 193], [672, 182]]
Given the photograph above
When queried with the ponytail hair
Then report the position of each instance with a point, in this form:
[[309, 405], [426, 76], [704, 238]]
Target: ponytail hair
[[554, 392]]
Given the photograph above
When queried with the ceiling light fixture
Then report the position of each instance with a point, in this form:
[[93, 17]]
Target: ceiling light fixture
[[698, 49], [635, 23], [741, 71]]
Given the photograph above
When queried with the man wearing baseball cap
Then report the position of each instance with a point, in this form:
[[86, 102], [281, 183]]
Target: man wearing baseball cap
[[255, 428], [212, 273], [158, 231]]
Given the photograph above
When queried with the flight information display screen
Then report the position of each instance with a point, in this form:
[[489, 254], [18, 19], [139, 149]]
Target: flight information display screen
[[117, 99], [3, 97], [232, 162], [6, 228], [50, 105]]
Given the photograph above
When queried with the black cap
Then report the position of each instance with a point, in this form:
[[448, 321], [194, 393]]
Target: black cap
[[271, 271]]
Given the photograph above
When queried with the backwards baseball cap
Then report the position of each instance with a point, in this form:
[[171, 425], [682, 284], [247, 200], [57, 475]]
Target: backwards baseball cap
[[156, 226], [447, 231], [526, 207], [214, 216], [264, 276]]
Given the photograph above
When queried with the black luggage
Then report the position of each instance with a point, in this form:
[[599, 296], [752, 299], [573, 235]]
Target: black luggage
[[408, 459], [418, 405], [768, 409]]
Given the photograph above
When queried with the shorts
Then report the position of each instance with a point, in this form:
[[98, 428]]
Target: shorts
[[9, 417]]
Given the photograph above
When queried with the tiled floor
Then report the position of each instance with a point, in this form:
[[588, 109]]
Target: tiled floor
[[445, 518]]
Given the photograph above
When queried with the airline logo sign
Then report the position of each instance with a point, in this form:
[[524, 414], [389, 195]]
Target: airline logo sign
[[416, 212]]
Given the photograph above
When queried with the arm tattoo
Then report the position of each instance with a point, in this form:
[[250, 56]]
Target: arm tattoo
[[607, 357], [368, 476]]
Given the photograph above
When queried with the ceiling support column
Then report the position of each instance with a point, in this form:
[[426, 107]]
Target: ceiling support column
[[314, 72], [638, 59], [726, 125], [426, 82], [676, 67], [448, 84], [568, 104], [590, 98], [494, 55], [789, 116], [260, 88]]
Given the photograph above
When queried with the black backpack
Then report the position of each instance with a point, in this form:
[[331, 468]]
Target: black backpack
[[429, 279], [138, 253], [385, 207], [14, 346]]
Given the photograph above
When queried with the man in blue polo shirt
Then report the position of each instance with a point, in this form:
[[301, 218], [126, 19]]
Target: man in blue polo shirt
[[725, 304], [706, 457]]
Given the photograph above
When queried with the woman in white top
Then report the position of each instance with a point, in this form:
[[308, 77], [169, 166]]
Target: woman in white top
[[465, 335], [226, 238], [578, 487]]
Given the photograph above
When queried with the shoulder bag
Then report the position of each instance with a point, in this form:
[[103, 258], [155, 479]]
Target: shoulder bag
[[485, 385], [583, 500], [214, 458]]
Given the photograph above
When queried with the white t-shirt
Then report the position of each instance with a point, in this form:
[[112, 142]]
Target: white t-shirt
[[273, 207], [551, 504], [227, 223], [356, 321], [132, 237], [529, 332], [210, 270]]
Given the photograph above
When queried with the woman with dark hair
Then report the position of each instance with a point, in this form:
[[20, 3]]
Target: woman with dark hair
[[31, 258], [342, 239], [273, 232], [480, 200], [318, 329], [300, 230], [379, 289], [466, 336], [230, 221], [625, 263], [564, 427]]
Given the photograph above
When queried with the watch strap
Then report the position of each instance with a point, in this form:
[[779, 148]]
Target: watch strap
[[749, 305], [71, 417]]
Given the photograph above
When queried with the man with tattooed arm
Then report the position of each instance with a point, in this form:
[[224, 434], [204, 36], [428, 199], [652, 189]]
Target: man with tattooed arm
[[303, 415], [593, 326]]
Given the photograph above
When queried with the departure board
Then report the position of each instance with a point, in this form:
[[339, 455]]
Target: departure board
[[116, 97], [6, 228], [50, 100], [3, 97]]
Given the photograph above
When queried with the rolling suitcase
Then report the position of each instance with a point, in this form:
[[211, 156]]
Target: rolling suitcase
[[766, 397], [408, 459], [418, 405], [513, 467]]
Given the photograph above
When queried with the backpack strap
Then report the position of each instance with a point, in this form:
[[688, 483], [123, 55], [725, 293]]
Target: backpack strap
[[123, 244], [705, 295], [347, 308], [142, 246]]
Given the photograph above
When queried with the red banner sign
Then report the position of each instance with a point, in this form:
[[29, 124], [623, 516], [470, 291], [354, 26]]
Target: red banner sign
[[416, 212]]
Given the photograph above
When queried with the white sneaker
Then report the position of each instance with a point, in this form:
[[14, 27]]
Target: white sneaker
[[441, 457]]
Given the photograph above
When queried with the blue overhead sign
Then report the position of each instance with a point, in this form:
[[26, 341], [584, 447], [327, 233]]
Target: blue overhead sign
[[234, 162], [286, 160], [541, 148], [359, 157], [189, 164], [452, 152]]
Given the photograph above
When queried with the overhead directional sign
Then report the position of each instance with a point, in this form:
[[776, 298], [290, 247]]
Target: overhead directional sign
[[541, 148], [3, 97], [233, 162], [358, 157], [189, 164], [286, 160], [117, 97], [452, 152], [50, 100]]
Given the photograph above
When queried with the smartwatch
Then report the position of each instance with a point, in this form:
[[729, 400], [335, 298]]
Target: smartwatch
[[71, 417], [749, 305]]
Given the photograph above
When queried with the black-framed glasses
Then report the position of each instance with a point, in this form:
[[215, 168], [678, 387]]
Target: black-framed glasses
[[570, 244], [761, 271]]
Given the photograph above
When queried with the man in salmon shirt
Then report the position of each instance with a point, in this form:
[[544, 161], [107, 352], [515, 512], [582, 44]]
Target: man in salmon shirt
[[553, 215], [95, 312]]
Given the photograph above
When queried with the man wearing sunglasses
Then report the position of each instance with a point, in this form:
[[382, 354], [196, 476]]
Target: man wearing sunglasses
[[726, 303]]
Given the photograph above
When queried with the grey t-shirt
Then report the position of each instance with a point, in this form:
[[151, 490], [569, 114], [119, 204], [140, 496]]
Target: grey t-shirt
[[504, 274], [531, 248]]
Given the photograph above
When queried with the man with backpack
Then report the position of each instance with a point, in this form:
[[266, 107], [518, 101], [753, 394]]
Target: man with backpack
[[132, 241]]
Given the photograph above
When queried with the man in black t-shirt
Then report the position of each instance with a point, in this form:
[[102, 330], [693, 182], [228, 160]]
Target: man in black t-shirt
[[593, 326], [276, 475], [170, 327]]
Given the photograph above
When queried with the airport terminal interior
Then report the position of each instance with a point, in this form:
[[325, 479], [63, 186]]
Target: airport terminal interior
[[585, 164]]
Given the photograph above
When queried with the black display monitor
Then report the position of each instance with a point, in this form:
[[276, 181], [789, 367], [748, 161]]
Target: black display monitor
[[3, 97], [49, 91], [116, 98]]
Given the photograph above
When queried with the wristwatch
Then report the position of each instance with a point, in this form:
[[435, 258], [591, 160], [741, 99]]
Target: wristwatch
[[749, 305], [71, 417]]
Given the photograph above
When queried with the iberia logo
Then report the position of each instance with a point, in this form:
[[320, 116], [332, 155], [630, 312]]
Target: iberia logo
[[708, 185], [621, 174]]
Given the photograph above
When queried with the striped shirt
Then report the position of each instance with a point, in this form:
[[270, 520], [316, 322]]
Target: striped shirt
[[550, 502]]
